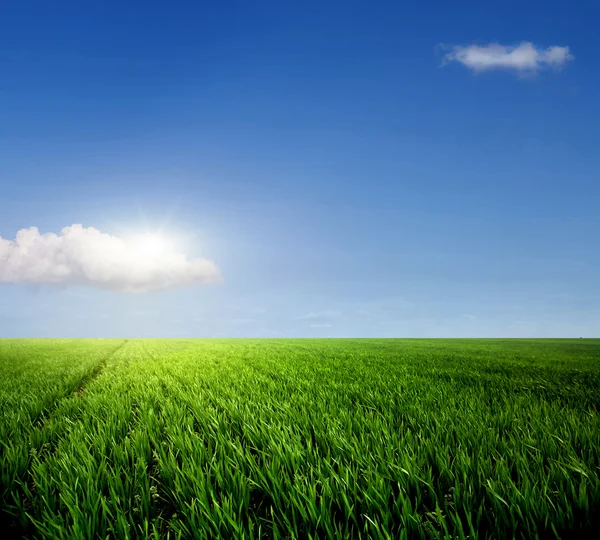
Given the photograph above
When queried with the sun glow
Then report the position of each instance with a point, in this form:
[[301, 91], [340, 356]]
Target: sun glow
[[149, 246]]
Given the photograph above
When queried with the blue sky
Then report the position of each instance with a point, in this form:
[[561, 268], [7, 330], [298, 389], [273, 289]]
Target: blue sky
[[346, 179]]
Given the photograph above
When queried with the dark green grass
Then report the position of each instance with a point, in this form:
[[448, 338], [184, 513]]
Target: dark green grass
[[300, 438]]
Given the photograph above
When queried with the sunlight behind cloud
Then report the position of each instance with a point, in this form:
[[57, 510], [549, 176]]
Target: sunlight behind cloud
[[149, 246], [86, 256]]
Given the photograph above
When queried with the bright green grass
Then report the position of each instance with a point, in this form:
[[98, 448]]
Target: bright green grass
[[300, 438]]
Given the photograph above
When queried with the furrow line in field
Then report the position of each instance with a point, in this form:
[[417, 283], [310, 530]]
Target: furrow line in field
[[97, 371], [81, 387], [39, 425], [42, 418]]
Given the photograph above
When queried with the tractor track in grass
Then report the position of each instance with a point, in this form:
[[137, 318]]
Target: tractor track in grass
[[9, 521], [96, 371], [42, 418], [79, 390]]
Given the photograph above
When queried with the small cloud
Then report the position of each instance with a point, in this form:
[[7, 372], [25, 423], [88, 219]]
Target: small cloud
[[321, 315], [86, 256], [320, 326], [523, 58]]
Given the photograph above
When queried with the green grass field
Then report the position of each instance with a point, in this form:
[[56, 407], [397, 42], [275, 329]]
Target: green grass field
[[300, 438]]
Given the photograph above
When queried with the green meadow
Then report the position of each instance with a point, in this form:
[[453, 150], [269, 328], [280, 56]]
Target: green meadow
[[343, 438]]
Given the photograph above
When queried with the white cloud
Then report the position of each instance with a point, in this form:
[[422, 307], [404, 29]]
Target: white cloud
[[321, 315], [86, 256], [523, 58]]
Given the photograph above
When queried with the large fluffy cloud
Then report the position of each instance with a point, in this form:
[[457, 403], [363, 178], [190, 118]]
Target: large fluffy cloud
[[523, 58], [80, 255]]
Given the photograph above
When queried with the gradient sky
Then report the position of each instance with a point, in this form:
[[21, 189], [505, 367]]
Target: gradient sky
[[346, 180]]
